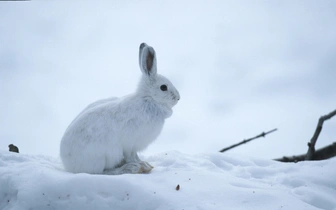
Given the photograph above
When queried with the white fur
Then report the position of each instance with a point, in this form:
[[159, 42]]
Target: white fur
[[106, 136]]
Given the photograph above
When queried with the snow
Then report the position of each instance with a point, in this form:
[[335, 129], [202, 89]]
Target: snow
[[207, 181]]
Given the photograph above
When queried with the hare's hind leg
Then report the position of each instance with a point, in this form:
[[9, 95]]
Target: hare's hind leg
[[128, 168], [131, 165], [134, 158]]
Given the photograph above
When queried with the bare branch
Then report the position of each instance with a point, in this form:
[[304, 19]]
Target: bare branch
[[263, 134], [311, 144], [321, 154]]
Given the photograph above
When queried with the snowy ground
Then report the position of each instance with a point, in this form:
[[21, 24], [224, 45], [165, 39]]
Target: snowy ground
[[207, 181]]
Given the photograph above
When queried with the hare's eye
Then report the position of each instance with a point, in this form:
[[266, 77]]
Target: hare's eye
[[163, 87]]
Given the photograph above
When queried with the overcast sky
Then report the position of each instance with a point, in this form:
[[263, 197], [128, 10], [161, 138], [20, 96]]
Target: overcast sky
[[242, 67]]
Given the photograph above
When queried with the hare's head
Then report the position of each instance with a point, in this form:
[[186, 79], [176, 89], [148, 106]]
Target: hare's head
[[153, 85]]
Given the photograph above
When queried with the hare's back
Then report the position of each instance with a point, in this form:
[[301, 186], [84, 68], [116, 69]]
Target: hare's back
[[102, 102]]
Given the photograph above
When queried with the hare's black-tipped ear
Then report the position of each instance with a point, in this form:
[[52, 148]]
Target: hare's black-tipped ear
[[147, 60], [142, 46]]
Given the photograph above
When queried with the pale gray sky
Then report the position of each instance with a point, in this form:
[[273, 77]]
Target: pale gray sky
[[242, 67]]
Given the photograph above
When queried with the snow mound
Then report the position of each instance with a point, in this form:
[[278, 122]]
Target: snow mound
[[206, 181]]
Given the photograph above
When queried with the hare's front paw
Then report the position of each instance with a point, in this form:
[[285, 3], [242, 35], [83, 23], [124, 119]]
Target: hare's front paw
[[145, 167], [131, 168]]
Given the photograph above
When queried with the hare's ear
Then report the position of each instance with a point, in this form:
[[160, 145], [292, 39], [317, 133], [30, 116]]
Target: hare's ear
[[147, 60], [142, 46]]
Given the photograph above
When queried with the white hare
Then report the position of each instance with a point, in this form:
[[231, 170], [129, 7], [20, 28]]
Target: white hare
[[106, 136]]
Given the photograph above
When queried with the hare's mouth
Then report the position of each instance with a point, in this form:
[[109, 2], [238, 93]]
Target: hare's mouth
[[175, 100]]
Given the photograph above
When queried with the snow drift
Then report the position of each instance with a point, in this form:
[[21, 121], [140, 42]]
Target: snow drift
[[207, 181]]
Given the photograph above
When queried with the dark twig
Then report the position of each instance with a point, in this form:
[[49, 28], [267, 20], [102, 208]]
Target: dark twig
[[320, 154], [311, 144], [263, 134]]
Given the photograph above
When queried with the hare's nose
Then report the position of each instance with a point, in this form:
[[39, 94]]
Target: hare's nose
[[178, 96]]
